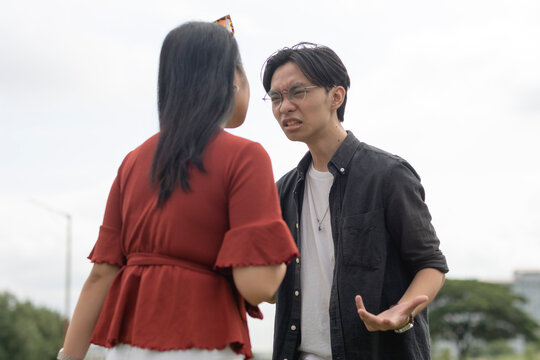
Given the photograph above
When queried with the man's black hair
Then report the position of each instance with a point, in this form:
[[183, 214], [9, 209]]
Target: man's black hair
[[319, 63]]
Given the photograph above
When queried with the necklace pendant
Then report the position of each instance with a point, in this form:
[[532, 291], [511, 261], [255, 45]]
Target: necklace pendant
[[320, 228]]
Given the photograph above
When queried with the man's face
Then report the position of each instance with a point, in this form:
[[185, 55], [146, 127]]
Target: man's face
[[306, 120]]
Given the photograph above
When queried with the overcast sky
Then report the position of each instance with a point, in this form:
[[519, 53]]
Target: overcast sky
[[451, 86]]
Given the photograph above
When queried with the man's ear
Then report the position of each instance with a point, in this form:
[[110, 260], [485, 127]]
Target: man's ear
[[337, 96]]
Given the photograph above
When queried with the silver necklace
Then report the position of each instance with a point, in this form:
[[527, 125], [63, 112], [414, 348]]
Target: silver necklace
[[319, 222]]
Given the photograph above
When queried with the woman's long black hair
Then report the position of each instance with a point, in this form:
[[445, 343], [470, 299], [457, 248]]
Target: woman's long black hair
[[195, 97]]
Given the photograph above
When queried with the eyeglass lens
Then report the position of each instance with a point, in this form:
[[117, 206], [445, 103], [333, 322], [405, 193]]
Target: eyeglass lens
[[295, 94]]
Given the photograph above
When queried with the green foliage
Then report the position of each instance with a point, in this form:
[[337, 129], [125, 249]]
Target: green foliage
[[532, 352], [445, 354], [28, 332], [498, 348], [466, 311]]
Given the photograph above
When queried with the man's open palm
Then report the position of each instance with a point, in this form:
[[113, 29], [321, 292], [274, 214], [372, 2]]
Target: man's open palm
[[391, 319]]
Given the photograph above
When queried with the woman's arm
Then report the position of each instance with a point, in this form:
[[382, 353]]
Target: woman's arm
[[88, 309], [258, 283]]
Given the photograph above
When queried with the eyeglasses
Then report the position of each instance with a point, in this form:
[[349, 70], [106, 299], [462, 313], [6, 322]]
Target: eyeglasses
[[226, 22], [296, 94]]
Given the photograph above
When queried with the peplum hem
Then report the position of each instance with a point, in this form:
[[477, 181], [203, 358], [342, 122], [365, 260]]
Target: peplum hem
[[235, 346], [188, 309]]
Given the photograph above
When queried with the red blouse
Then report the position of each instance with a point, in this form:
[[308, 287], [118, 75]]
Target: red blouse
[[174, 289]]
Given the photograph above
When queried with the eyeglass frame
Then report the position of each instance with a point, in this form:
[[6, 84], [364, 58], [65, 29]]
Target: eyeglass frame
[[290, 97]]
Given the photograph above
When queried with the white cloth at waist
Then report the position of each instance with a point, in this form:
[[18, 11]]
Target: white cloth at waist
[[128, 352]]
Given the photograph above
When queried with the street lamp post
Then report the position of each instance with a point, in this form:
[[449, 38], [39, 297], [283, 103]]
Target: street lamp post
[[67, 283]]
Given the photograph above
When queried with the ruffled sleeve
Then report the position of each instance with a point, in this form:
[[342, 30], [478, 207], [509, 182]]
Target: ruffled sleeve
[[108, 247], [258, 235]]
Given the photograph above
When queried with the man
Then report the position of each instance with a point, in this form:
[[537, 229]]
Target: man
[[370, 261]]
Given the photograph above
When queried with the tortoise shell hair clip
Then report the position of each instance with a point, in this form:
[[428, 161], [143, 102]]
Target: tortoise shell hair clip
[[226, 22]]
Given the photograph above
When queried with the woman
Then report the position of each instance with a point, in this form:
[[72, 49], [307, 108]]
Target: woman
[[192, 233]]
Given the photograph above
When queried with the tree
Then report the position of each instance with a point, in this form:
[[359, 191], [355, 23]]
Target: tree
[[468, 311], [28, 332]]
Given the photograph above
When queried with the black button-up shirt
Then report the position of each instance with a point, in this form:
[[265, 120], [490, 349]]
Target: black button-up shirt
[[382, 235]]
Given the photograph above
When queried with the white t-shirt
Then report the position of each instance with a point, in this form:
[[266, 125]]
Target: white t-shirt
[[317, 253]]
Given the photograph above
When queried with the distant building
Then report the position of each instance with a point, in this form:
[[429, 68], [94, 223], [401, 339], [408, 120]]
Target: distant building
[[527, 284]]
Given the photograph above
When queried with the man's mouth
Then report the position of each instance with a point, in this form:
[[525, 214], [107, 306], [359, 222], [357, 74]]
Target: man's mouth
[[290, 123]]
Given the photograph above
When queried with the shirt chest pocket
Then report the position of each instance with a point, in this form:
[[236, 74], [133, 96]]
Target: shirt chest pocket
[[364, 240]]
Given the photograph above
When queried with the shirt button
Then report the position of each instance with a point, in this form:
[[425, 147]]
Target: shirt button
[[297, 225], [296, 293], [298, 260], [293, 327], [342, 170]]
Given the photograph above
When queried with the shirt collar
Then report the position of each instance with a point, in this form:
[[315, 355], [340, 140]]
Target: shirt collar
[[303, 166], [343, 155], [340, 161]]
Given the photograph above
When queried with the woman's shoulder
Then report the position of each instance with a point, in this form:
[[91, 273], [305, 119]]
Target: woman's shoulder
[[237, 155], [144, 152], [233, 140], [147, 145], [236, 145]]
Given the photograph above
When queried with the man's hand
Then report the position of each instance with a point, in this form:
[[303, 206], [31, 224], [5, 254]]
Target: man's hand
[[394, 318]]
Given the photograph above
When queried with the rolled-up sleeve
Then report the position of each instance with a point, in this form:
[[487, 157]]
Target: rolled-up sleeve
[[409, 221]]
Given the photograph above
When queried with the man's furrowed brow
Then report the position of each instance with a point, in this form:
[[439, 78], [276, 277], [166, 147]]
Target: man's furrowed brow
[[294, 85]]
